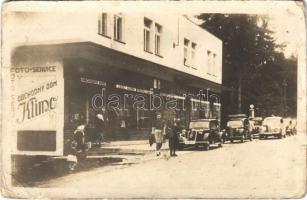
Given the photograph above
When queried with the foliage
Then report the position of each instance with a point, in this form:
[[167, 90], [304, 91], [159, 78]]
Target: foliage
[[252, 63]]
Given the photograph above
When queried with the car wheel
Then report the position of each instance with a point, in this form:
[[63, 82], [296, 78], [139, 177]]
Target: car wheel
[[231, 141], [280, 136], [220, 144], [207, 147], [251, 137]]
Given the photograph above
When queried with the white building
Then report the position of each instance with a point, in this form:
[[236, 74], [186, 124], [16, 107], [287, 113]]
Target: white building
[[74, 56]]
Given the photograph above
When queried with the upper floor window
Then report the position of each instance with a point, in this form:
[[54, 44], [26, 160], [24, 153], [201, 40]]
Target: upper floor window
[[189, 53], [147, 34], [118, 28], [186, 51], [158, 30], [152, 33], [103, 24], [211, 63], [158, 39], [214, 65], [193, 53]]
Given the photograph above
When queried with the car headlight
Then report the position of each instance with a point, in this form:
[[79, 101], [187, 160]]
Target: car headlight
[[206, 135]]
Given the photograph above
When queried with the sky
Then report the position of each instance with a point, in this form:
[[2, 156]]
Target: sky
[[288, 28]]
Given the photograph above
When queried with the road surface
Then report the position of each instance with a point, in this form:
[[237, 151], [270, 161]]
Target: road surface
[[270, 168]]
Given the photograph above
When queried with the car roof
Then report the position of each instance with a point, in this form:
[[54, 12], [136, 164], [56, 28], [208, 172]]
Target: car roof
[[275, 117], [237, 119], [257, 119], [237, 116], [203, 120]]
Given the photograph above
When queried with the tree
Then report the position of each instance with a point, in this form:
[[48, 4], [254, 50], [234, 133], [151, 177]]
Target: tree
[[251, 62]]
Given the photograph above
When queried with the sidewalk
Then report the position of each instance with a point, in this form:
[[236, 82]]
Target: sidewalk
[[129, 151], [140, 147]]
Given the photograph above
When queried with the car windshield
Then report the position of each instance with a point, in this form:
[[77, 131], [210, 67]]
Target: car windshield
[[235, 123], [200, 124], [286, 121], [257, 123], [275, 122]]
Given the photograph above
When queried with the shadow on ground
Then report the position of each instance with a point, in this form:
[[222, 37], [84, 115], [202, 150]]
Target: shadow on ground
[[31, 175]]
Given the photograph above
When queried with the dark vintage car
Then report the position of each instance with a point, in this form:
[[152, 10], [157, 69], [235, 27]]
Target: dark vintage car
[[238, 128], [201, 132], [257, 126]]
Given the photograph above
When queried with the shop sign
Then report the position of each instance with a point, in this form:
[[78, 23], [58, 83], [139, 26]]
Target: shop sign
[[201, 101], [124, 87], [144, 91], [37, 97], [172, 96], [133, 89], [92, 81]]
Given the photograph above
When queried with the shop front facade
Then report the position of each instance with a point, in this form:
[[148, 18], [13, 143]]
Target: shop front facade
[[128, 75], [130, 98]]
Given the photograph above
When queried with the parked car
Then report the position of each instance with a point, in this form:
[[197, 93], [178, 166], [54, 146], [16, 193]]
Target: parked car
[[274, 126], [238, 128], [257, 126], [201, 132]]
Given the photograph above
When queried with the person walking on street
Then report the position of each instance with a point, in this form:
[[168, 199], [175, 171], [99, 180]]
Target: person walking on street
[[158, 133], [173, 138], [99, 127]]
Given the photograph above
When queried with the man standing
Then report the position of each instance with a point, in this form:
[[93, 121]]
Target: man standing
[[157, 131], [100, 127], [173, 138]]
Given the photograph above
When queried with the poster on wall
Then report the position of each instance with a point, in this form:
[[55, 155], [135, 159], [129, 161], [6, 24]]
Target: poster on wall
[[37, 100]]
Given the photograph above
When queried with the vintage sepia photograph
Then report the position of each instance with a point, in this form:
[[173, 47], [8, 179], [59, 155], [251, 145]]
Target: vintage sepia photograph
[[115, 99]]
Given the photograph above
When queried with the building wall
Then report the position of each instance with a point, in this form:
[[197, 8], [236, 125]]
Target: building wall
[[36, 28]]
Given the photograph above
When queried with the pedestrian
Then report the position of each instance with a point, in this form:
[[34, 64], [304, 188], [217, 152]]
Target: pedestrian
[[158, 133], [173, 138], [79, 137], [99, 127]]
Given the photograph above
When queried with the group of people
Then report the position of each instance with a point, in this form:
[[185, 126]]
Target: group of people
[[161, 130]]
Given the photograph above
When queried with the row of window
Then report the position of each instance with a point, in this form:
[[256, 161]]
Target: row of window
[[189, 53], [148, 32], [152, 29], [190, 57], [211, 59], [118, 27]]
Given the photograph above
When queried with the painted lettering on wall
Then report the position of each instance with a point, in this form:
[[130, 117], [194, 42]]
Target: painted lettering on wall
[[33, 108], [33, 69], [36, 102]]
